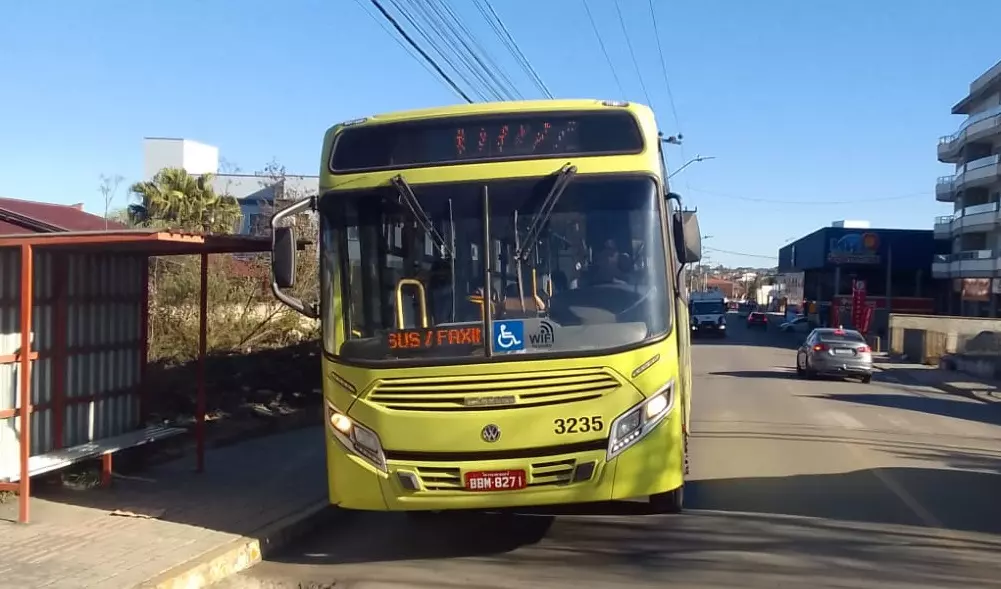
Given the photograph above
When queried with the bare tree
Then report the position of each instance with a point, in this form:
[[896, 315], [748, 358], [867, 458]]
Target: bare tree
[[283, 190], [109, 186]]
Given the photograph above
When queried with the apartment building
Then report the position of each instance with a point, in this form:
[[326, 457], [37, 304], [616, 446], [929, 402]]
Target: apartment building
[[974, 188], [256, 194]]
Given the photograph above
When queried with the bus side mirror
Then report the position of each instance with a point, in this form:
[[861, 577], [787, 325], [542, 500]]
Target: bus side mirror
[[283, 257], [283, 254], [687, 237]]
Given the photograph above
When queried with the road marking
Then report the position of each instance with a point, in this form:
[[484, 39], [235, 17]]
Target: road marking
[[898, 422], [843, 419], [863, 458], [901, 493]]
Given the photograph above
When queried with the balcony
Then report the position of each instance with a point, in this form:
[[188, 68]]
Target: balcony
[[975, 219], [945, 189], [966, 264], [977, 127], [980, 172], [943, 227]]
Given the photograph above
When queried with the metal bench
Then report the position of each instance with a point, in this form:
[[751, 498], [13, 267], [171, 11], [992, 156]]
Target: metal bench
[[103, 449]]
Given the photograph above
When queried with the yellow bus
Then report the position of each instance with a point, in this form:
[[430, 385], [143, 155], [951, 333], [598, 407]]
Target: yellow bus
[[503, 312]]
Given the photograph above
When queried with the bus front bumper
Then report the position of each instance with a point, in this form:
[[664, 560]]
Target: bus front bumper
[[653, 465]]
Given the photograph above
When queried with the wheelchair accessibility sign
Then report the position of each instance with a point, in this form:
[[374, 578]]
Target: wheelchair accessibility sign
[[509, 336]]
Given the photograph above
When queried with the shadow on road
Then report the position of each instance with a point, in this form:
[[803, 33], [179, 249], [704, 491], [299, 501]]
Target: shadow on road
[[959, 500], [385, 537], [962, 501], [960, 408], [774, 373]]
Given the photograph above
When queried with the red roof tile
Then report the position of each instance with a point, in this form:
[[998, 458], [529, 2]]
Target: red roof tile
[[25, 216]]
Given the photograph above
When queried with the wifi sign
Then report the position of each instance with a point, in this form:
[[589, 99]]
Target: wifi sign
[[545, 337]]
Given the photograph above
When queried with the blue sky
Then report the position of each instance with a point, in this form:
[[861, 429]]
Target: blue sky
[[809, 103]]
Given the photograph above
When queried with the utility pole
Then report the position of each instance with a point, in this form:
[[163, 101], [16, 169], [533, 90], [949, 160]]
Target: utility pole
[[703, 264]]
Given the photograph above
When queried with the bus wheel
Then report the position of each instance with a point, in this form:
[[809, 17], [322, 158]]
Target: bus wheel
[[669, 502]]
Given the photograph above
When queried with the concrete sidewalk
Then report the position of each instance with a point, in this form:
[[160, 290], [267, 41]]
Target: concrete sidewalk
[[948, 381], [169, 526]]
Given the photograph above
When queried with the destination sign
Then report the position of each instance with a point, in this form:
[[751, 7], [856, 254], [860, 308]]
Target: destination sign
[[485, 138], [435, 337]]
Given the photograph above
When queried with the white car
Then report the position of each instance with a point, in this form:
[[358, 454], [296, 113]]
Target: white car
[[798, 325]]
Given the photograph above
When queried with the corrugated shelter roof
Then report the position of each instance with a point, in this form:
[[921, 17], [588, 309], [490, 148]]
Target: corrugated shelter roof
[[24, 216], [150, 242]]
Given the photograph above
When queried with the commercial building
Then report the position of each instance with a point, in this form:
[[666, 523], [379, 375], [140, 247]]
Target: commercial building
[[256, 194], [894, 263], [972, 259]]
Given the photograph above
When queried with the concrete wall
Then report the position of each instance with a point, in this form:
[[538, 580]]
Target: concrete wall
[[164, 152], [927, 338]]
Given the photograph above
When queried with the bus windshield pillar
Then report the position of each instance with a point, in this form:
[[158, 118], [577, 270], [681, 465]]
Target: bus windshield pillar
[[488, 319]]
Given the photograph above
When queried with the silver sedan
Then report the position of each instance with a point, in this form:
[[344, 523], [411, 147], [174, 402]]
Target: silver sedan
[[840, 352]]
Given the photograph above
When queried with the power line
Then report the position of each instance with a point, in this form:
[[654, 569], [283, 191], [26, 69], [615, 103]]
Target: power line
[[667, 84], [810, 203], [590, 17], [450, 28], [409, 50], [435, 39], [500, 78], [744, 254], [502, 32], [663, 69], [423, 54], [632, 54]]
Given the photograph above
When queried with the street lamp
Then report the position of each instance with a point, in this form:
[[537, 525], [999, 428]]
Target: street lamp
[[698, 158]]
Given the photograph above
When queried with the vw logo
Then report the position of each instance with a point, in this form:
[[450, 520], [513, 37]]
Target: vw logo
[[490, 433]]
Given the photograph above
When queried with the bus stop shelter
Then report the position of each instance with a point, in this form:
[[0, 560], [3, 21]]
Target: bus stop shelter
[[74, 310]]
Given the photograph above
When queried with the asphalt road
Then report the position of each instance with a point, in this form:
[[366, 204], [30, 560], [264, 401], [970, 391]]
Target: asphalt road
[[794, 484]]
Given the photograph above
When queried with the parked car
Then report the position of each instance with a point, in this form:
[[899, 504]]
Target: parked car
[[756, 319], [841, 352]]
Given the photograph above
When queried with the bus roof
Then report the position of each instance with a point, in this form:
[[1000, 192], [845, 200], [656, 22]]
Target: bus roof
[[648, 161], [482, 108]]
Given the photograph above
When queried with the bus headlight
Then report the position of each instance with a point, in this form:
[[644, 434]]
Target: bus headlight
[[633, 425], [356, 438]]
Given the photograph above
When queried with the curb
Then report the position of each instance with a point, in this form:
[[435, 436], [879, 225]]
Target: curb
[[243, 553], [904, 378]]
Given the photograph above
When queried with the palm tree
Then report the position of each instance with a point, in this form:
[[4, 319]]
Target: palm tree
[[174, 199]]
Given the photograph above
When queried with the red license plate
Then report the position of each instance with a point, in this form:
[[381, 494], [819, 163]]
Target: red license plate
[[495, 480]]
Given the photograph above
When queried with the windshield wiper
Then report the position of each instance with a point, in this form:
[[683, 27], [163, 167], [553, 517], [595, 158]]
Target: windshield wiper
[[563, 178], [407, 197]]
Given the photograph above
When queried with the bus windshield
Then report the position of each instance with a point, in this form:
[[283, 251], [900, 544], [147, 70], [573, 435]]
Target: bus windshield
[[708, 308], [596, 278]]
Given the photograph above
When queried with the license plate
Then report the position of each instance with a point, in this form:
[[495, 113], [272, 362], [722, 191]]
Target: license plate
[[843, 352], [494, 480]]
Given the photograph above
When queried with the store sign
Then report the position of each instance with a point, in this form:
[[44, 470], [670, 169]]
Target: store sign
[[854, 248], [859, 306]]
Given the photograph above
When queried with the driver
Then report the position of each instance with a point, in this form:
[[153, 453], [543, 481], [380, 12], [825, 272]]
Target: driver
[[606, 266]]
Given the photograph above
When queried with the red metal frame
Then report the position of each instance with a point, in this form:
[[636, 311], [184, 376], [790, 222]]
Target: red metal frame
[[60, 288], [203, 297], [145, 244], [144, 344]]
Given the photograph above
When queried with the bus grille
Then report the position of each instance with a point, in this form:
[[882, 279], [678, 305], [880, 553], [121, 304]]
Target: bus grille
[[498, 391], [540, 474]]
